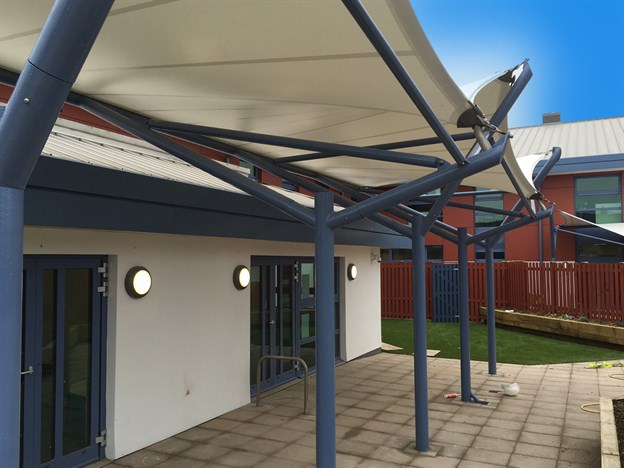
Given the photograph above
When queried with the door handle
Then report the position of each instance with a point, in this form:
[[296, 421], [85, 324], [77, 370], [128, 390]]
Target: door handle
[[29, 371]]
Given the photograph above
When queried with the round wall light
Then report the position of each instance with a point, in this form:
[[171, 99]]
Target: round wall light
[[241, 277], [138, 282], [351, 272]]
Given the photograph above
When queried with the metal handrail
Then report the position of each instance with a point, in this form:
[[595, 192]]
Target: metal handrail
[[283, 358]]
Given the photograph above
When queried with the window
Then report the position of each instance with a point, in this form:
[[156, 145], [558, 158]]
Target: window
[[288, 185], [498, 249], [435, 253], [396, 255], [598, 199], [484, 221], [592, 245], [253, 170], [424, 206], [599, 252]]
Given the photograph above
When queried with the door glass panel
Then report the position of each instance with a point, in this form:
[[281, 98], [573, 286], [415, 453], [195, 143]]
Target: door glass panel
[[308, 353], [307, 280], [308, 322], [276, 318], [337, 330], [77, 362], [48, 365], [258, 304], [337, 346], [307, 314], [285, 334], [271, 319]]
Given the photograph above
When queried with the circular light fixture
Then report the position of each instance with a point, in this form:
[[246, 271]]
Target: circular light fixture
[[138, 282], [351, 272], [241, 277]]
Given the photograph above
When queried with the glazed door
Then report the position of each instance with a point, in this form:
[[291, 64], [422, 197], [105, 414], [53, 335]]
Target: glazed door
[[272, 321], [62, 368], [283, 317], [305, 310], [307, 313]]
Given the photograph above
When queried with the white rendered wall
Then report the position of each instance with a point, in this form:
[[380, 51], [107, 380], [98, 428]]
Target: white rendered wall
[[180, 356], [362, 302]]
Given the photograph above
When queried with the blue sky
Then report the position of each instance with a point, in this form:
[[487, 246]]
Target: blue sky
[[575, 49]]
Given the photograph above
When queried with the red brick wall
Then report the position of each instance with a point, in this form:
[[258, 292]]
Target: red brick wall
[[522, 243]]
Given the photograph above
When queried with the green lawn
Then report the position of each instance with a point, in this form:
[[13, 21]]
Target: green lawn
[[512, 346]]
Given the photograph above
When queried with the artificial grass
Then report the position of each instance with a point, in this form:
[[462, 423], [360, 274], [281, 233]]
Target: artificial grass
[[512, 346]]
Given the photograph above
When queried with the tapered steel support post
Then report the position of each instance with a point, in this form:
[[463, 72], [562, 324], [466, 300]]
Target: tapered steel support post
[[491, 316], [325, 334], [464, 324], [41, 90], [419, 309]]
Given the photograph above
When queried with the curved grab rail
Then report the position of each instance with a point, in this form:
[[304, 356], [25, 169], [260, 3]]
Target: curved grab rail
[[283, 358]]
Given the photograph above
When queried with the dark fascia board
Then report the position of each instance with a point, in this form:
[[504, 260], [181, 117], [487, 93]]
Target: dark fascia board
[[580, 164], [68, 194]]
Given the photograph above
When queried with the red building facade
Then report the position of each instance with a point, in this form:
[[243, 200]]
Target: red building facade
[[593, 155]]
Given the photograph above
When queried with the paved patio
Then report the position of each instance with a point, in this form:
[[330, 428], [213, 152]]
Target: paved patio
[[543, 426]]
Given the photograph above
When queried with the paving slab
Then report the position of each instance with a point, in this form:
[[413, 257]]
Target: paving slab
[[543, 426]]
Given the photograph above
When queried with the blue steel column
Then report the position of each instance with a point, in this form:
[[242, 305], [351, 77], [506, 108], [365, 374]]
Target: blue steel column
[[325, 334], [491, 316], [11, 226], [41, 90], [419, 309], [464, 324]]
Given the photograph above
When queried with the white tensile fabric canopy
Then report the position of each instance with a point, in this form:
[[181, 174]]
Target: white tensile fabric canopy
[[301, 69]]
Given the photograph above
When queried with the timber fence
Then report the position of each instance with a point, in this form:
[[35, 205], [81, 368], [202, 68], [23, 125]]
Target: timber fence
[[592, 290]]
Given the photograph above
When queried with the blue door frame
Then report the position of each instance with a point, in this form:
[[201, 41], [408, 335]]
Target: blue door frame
[[57, 407], [271, 329]]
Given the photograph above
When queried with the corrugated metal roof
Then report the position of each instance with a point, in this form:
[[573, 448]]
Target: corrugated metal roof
[[87, 145], [583, 138]]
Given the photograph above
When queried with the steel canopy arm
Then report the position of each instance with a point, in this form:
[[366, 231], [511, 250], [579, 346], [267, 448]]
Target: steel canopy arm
[[374, 35], [425, 184], [464, 206], [123, 120], [384, 146], [511, 97], [403, 212], [545, 170], [266, 164], [297, 143], [503, 228], [576, 233]]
